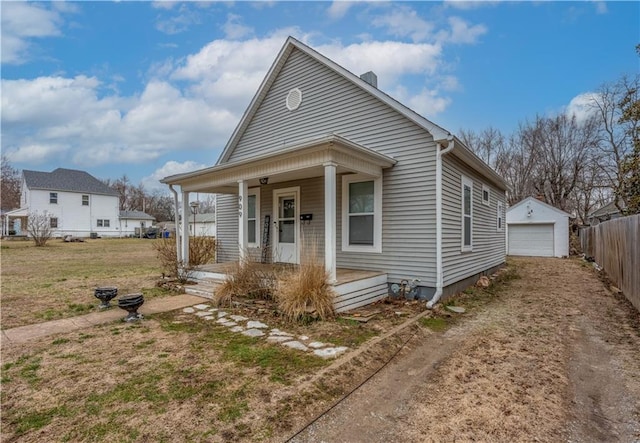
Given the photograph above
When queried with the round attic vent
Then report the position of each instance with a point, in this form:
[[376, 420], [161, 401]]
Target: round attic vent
[[294, 98]]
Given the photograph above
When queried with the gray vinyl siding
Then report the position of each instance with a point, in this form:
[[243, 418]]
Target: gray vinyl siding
[[227, 227], [488, 243], [333, 104]]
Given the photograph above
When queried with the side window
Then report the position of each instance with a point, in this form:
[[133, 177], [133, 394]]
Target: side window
[[499, 218], [53, 198], [486, 193], [85, 200], [253, 217], [467, 214], [361, 213], [53, 222]]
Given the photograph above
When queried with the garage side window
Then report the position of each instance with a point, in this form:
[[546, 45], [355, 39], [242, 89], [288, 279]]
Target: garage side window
[[467, 214], [499, 218]]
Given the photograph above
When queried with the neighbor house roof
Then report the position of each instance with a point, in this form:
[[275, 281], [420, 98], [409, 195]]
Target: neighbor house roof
[[438, 133], [204, 218], [609, 208], [540, 202], [136, 215], [70, 180]]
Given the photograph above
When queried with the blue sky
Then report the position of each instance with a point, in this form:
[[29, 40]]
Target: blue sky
[[150, 89]]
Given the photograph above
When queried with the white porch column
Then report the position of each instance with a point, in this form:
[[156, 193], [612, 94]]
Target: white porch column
[[186, 212], [330, 220], [243, 192]]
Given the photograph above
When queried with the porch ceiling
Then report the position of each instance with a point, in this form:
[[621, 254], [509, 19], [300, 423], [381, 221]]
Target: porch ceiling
[[303, 160]]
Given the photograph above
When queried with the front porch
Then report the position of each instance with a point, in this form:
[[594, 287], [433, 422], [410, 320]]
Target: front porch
[[354, 287]]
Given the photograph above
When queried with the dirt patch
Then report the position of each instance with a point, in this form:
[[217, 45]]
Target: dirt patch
[[553, 358]]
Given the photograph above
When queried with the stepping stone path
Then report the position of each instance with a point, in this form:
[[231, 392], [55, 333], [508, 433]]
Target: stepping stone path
[[252, 328]]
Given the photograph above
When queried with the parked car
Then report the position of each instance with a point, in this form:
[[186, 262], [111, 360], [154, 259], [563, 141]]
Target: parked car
[[151, 233]]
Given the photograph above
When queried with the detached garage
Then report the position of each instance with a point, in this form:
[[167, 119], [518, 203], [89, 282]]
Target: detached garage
[[537, 229]]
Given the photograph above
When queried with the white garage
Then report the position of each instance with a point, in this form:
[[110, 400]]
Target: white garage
[[537, 229]]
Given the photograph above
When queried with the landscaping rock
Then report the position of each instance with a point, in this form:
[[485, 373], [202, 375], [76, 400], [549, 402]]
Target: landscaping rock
[[238, 318], [303, 337], [256, 324], [203, 313], [201, 306], [295, 345], [277, 338], [330, 352], [209, 317], [458, 309], [253, 333], [237, 329], [189, 310], [317, 345], [222, 314], [229, 323], [280, 333]]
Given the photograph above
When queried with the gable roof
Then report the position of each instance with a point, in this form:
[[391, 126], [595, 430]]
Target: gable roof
[[538, 202], [439, 134], [609, 208], [137, 215], [70, 180]]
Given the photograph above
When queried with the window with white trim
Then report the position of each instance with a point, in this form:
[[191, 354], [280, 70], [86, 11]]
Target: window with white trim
[[53, 222], [499, 218], [486, 193], [253, 217], [467, 214], [53, 198], [361, 213], [85, 200], [104, 223]]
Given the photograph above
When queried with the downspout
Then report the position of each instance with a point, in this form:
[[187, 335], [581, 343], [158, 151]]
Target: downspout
[[177, 219], [439, 272]]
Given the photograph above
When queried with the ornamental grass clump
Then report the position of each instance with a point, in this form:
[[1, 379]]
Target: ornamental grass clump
[[304, 294], [246, 278]]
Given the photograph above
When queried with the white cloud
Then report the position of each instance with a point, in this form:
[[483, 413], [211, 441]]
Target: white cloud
[[164, 4], [601, 7], [427, 102], [582, 106], [180, 22], [461, 32], [404, 22], [36, 153], [235, 30], [469, 4], [152, 181], [22, 22], [339, 9]]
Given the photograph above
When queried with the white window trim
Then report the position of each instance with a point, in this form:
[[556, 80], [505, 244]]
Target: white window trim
[[486, 189], [377, 213], [469, 183], [256, 192], [500, 218], [82, 200]]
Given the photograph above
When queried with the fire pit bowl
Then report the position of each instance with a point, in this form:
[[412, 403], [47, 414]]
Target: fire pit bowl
[[131, 303], [105, 295]]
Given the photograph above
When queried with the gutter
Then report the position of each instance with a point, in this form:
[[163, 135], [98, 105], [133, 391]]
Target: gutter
[[175, 207], [439, 269]]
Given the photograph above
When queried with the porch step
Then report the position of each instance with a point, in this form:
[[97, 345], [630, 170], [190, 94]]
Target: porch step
[[203, 288]]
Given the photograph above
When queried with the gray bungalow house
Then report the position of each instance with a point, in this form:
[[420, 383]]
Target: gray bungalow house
[[387, 195]]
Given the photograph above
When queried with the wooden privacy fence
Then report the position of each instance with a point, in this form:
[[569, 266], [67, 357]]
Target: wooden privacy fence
[[615, 246]]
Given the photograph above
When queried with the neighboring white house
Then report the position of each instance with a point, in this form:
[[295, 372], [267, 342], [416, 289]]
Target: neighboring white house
[[607, 212], [537, 229], [323, 154], [131, 222], [75, 202], [205, 225]]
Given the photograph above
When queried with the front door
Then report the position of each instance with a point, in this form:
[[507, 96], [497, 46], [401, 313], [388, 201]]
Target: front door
[[286, 226]]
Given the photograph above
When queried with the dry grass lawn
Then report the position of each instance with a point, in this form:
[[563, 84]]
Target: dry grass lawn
[[57, 281]]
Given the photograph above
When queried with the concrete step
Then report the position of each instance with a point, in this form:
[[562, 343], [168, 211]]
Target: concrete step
[[202, 289]]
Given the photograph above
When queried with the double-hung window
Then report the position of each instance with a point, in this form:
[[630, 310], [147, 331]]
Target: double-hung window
[[103, 223], [53, 222], [499, 218], [53, 198], [85, 200], [467, 214], [361, 213], [253, 217]]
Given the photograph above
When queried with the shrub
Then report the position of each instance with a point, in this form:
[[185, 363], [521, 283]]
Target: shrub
[[39, 228], [249, 279], [305, 293], [201, 251]]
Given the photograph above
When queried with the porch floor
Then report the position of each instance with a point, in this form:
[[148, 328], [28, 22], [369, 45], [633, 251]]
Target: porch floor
[[343, 275]]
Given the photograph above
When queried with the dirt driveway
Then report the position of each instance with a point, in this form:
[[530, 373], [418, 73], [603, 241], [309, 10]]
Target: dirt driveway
[[554, 358]]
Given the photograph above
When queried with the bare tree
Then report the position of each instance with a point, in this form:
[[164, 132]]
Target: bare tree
[[616, 133], [10, 182], [39, 228]]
